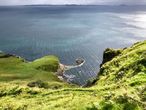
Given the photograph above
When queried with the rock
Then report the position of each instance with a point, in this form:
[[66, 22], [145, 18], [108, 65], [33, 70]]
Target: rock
[[91, 82], [38, 83], [79, 61], [3, 55], [109, 54], [120, 75], [60, 70]]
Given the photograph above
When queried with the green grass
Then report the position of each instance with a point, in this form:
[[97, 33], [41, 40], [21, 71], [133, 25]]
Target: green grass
[[47, 63], [121, 84], [13, 68]]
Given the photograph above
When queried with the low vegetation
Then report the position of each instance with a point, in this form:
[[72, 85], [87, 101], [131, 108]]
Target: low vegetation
[[121, 84]]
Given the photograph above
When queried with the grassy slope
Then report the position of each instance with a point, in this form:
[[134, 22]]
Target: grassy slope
[[13, 68], [121, 85], [16, 70]]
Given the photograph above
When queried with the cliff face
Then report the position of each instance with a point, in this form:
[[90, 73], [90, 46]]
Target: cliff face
[[121, 85], [109, 54], [125, 77], [130, 63]]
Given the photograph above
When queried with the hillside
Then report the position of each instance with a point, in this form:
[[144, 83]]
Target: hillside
[[121, 83], [16, 69]]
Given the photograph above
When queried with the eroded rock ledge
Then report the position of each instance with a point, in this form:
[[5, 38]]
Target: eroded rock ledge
[[109, 54]]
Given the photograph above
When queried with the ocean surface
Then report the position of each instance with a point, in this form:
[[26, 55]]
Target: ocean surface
[[70, 32]]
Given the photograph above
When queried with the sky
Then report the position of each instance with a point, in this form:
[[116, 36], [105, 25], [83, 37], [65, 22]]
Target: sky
[[59, 2]]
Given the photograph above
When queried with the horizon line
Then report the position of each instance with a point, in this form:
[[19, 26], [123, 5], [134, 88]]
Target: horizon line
[[77, 5]]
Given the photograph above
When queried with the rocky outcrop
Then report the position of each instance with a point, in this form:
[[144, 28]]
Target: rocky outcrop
[[38, 83], [3, 55], [79, 61], [109, 54]]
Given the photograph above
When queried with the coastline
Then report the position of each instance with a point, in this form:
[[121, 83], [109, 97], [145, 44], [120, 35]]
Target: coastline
[[40, 64], [120, 84], [63, 68]]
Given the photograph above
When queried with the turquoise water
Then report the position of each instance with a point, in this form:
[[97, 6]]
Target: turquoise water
[[70, 32]]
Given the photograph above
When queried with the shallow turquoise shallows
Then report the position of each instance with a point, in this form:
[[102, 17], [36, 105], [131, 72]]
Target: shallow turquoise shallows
[[70, 32]]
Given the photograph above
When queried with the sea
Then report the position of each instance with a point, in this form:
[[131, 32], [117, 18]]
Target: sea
[[70, 32]]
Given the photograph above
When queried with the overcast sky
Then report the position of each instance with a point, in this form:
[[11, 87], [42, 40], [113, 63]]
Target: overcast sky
[[98, 2]]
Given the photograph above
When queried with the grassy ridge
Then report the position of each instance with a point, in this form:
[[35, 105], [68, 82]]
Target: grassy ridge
[[121, 85], [18, 70], [13, 68]]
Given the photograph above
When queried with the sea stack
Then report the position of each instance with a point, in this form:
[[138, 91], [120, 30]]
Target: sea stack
[[79, 61]]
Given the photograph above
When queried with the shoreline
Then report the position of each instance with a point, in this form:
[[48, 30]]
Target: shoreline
[[63, 68]]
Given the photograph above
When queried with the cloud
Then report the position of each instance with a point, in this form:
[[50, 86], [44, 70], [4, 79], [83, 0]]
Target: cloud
[[16, 2], [27, 2]]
